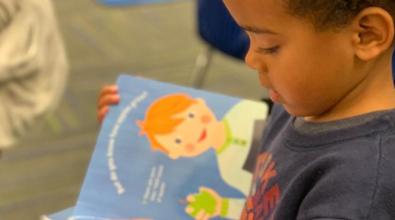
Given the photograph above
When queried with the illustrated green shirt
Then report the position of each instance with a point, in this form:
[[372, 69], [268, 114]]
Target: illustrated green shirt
[[239, 122]]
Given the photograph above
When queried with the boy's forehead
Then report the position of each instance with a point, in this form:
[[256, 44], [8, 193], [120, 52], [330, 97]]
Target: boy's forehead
[[260, 15], [266, 6]]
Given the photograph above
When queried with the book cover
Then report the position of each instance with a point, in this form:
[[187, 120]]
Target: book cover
[[171, 152], [66, 214]]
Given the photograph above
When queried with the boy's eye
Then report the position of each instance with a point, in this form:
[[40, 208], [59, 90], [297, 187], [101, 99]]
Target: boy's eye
[[191, 115], [270, 50], [178, 141]]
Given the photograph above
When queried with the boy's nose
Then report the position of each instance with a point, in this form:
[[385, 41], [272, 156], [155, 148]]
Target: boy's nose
[[251, 58]]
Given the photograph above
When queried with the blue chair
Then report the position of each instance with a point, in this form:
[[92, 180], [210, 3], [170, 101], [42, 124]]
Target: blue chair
[[393, 67], [217, 28]]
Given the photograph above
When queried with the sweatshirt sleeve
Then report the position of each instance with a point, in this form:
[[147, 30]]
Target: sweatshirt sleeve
[[33, 65], [8, 10]]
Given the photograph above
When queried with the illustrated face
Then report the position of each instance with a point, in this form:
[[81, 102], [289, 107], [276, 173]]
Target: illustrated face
[[305, 70], [194, 135]]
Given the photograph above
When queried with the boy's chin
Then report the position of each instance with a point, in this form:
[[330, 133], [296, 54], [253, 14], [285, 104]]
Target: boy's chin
[[297, 112]]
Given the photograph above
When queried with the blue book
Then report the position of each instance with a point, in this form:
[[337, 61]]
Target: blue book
[[66, 214], [171, 152]]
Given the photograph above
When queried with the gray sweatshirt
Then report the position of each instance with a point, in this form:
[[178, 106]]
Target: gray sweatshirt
[[339, 170]]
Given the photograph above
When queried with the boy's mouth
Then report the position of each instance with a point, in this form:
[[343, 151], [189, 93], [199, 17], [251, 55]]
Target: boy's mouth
[[202, 135], [273, 94]]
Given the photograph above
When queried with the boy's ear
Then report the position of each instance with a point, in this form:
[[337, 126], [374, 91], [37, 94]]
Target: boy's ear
[[373, 32]]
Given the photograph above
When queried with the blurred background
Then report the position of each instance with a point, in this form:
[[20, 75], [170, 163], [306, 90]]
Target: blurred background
[[44, 172]]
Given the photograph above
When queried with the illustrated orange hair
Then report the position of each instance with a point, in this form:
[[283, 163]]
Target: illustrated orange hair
[[159, 117]]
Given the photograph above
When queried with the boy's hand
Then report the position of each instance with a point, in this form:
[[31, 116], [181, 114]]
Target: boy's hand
[[206, 204], [108, 96]]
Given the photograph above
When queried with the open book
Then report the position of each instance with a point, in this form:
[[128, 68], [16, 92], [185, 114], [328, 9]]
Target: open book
[[167, 152]]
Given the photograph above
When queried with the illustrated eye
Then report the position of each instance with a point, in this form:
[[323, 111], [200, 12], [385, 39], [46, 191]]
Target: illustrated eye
[[191, 115], [178, 141]]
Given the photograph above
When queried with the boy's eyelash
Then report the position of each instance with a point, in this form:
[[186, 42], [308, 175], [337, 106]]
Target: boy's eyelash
[[271, 50]]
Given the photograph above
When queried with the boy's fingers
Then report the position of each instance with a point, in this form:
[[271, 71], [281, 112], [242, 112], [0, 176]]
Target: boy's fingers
[[110, 89], [102, 113], [190, 198], [107, 100], [200, 215], [189, 209], [206, 217], [108, 96]]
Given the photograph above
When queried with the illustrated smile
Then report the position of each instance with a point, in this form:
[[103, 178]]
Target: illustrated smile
[[202, 135]]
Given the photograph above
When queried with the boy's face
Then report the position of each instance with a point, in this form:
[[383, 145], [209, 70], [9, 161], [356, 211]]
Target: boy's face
[[305, 70], [194, 135]]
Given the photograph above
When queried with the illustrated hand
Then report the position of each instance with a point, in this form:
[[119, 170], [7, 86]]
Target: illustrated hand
[[205, 204], [108, 96]]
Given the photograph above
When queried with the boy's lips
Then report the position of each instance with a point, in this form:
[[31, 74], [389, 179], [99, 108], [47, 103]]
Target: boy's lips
[[202, 135], [273, 94]]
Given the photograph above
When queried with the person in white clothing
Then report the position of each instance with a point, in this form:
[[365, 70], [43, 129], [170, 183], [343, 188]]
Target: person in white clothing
[[33, 66]]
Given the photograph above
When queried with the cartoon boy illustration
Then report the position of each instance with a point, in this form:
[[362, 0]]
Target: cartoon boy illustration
[[181, 126]]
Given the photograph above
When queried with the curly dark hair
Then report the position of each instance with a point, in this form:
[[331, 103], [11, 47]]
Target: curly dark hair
[[326, 14]]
